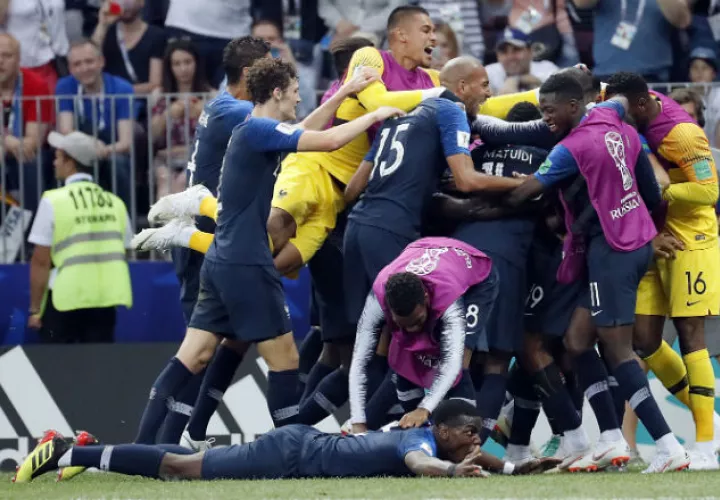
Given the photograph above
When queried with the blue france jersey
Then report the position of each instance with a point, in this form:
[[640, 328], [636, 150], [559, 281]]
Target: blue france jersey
[[409, 158], [371, 454], [215, 125], [508, 237], [245, 190]]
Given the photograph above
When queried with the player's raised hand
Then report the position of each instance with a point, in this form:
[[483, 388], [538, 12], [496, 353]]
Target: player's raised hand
[[385, 112], [415, 418], [362, 77], [468, 467], [665, 245]]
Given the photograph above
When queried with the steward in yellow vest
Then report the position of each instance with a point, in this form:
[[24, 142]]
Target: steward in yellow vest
[[81, 230]]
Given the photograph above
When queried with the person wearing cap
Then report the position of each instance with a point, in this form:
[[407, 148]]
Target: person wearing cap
[[515, 67], [703, 71], [81, 231]]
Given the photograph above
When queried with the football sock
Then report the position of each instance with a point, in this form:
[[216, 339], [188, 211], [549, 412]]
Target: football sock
[[702, 393], [168, 385], [129, 459], [464, 389], [220, 373], [208, 207], [577, 396], [380, 403], [559, 407], [376, 370], [316, 375], [331, 393], [593, 377], [617, 397], [200, 241], [309, 352], [668, 366], [490, 400], [282, 398], [180, 411], [636, 390], [526, 409]]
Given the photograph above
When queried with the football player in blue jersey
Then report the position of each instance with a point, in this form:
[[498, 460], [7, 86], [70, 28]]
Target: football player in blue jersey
[[220, 115], [447, 448]]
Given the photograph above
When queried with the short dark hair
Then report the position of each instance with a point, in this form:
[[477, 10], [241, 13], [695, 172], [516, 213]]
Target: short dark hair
[[686, 95], [400, 13], [631, 85], [81, 42], [564, 85], [451, 412], [271, 22], [342, 51], [523, 112], [241, 53], [266, 75], [404, 292]]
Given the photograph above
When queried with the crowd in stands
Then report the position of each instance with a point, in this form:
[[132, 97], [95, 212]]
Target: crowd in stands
[[135, 74]]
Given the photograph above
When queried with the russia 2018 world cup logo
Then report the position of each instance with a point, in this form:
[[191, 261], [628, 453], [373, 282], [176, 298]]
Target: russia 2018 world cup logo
[[616, 148], [426, 263]]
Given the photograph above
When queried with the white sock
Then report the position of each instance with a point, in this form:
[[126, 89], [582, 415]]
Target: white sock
[[611, 436], [668, 444], [517, 451], [716, 423], [66, 459], [706, 447], [576, 439]]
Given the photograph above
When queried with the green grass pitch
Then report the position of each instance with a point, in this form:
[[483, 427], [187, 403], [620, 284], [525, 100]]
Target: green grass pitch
[[548, 486]]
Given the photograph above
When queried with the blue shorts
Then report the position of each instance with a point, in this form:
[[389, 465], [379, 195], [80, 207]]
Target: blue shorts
[[549, 304], [245, 303], [367, 250], [505, 325], [613, 282], [326, 271], [187, 265], [274, 455], [479, 301]]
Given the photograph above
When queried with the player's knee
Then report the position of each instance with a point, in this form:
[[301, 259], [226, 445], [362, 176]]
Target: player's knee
[[329, 355], [181, 466], [280, 353], [197, 349], [575, 345], [497, 362], [691, 334]]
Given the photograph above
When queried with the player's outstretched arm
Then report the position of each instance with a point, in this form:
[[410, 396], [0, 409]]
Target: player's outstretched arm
[[467, 179], [500, 106], [358, 182], [368, 334], [336, 137], [376, 94], [323, 114], [496, 132], [422, 464], [450, 207]]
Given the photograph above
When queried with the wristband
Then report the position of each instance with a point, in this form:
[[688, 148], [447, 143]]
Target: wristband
[[451, 470], [508, 468]]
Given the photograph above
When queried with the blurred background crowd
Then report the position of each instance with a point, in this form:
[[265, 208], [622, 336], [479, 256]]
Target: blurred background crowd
[[135, 74]]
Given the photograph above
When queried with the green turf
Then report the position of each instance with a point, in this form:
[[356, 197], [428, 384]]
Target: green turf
[[550, 486]]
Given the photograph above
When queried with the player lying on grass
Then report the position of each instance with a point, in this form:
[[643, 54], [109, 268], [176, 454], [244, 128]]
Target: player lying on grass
[[448, 447]]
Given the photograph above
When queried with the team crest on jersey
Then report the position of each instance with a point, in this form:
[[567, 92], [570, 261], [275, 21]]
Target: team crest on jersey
[[616, 147], [426, 263], [282, 193]]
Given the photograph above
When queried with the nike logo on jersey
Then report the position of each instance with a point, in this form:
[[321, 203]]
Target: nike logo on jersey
[[595, 313], [690, 304]]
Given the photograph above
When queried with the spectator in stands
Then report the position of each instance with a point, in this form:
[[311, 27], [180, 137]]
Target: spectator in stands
[[182, 73], [692, 102], [81, 231], [635, 35], [345, 17], [25, 124], [515, 69], [272, 33], [447, 45], [703, 70], [211, 24], [133, 49], [548, 25], [39, 27], [99, 104], [463, 17]]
